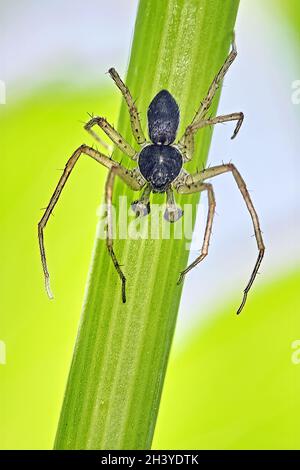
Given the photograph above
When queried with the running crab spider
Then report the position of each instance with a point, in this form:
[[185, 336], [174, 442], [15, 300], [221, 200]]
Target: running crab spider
[[159, 167]]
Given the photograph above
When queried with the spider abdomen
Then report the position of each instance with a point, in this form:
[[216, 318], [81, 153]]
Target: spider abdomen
[[160, 165], [163, 118]]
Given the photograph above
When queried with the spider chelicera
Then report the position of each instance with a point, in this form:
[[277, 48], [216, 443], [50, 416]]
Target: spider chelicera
[[160, 167]]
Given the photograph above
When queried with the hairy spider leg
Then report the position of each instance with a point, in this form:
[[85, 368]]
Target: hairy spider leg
[[109, 186], [239, 117], [133, 112], [107, 147], [123, 173], [111, 132], [206, 103], [198, 187], [186, 143], [218, 170]]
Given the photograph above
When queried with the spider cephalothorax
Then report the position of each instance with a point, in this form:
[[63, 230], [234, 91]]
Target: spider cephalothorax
[[160, 167]]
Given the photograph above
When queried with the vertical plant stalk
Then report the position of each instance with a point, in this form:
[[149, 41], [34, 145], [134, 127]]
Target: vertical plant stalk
[[121, 353]]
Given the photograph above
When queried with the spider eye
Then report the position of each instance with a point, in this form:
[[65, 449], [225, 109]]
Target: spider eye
[[163, 118]]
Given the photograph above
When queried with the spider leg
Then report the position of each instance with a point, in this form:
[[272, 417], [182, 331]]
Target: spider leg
[[195, 188], [109, 186], [133, 112], [111, 132], [225, 168], [186, 143], [130, 179], [239, 117], [108, 148], [126, 175], [206, 103]]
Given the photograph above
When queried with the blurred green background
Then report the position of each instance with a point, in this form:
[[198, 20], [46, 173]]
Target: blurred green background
[[232, 382]]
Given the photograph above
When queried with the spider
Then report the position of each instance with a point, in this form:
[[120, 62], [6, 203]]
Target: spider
[[159, 167]]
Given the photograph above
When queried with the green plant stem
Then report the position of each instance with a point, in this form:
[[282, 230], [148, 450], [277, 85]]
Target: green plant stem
[[120, 359]]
